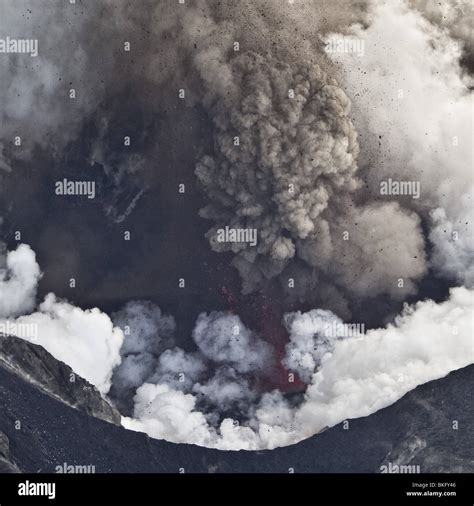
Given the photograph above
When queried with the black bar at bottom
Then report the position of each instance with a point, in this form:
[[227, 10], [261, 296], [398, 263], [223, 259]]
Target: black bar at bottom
[[236, 489]]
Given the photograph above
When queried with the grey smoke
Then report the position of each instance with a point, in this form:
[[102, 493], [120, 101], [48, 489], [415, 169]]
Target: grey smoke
[[295, 154], [296, 164], [219, 372], [226, 391], [310, 340], [223, 339], [147, 334], [455, 17], [179, 369], [285, 163]]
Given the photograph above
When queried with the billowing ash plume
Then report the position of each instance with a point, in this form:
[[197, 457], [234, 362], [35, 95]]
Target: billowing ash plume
[[294, 153], [285, 166], [284, 148], [293, 174], [365, 256]]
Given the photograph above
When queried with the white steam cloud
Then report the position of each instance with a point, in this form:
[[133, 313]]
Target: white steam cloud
[[18, 282], [85, 340], [414, 117], [348, 378]]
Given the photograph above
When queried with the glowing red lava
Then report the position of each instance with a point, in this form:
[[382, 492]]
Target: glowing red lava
[[264, 315]]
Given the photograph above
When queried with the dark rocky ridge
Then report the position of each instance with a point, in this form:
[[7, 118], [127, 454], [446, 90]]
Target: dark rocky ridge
[[34, 363], [417, 430]]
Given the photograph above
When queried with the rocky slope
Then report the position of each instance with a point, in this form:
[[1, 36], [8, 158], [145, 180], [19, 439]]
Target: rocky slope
[[54, 378]]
